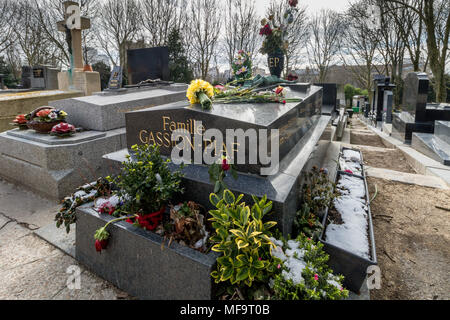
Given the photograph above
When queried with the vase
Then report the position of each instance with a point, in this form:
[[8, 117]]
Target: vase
[[275, 61]]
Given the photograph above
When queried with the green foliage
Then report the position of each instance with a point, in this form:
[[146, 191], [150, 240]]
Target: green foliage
[[318, 281], [5, 69], [243, 239], [349, 91], [146, 184], [178, 61], [105, 73], [318, 194]]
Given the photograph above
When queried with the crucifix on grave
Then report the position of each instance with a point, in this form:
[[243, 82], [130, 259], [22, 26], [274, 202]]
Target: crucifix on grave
[[73, 25], [76, 78]]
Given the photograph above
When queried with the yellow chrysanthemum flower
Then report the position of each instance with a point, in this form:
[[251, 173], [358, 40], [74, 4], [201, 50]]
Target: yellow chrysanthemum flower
[[196, 87]]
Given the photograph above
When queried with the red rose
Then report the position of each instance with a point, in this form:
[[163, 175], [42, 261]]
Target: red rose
[[20, 119], [284, 102], [266, 30], [225, 165], [293, 3], [349, 171], [101, 245], [63, 128], [279, 90]]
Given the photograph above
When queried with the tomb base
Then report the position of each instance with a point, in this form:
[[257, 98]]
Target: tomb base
[[87, 82]]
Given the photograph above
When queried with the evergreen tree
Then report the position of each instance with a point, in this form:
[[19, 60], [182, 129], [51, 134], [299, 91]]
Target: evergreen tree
[[105, 73], [5, 69], [178, 62]]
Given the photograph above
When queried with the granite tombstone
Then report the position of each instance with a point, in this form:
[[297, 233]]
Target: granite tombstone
[[148, 63], [298, 126]]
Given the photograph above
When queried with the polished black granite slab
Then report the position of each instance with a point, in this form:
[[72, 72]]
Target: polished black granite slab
[[403, 126], [293, 120], [442, 130]]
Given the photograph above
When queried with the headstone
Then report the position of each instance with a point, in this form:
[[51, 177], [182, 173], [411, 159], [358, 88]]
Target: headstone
[[115, 81], [330, 101], [387, 106], [300, 126], [27, 74], [40, 77], [381, 84], [149, 63], [415, 95]]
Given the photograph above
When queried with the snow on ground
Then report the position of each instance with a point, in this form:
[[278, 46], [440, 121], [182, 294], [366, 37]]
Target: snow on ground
[[351, 160], [351, 205]]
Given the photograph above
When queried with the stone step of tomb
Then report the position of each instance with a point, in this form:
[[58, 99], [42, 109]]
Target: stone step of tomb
[[432, 146], [442, 130]]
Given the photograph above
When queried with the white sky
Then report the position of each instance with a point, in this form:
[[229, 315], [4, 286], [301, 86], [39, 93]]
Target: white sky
[[313, 5]]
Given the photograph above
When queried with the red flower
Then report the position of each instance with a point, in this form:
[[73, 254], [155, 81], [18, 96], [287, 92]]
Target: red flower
[[293, 3], [316, 277], [20, 119], [225, 165], [349, 171], [63, 128], [150, 221], [101, 245], [284, 102], [107, 208], [279, 90], [265, 31], [43, 113]]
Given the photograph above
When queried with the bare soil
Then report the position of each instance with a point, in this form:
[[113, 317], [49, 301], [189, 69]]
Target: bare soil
[[391, 159], [412, 237], [366, 139]]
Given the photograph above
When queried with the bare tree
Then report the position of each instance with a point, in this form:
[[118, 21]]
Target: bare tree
[[298, 31], [241, 28], [359, 45], [6, 28], [118, 23], [436, 19], [323, 45], [204, 31], [159, 17]]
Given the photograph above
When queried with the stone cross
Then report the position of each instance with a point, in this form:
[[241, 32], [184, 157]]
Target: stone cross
[[74, 24]]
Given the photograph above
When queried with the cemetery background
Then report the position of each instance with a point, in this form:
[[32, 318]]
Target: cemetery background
[[371, 156]]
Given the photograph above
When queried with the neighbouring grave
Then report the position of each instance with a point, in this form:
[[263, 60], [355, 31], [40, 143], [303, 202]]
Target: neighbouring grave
[[61, 165], [382, 87], [417, 115], [148, 63], [40, 77], [76, 78], [330, 100]]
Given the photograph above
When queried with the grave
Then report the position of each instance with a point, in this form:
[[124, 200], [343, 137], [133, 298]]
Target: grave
[[148, 63], [55, 167], [417, 115], [300, 127], [330, 100], [76, 78], [382, 87], [42, 77]]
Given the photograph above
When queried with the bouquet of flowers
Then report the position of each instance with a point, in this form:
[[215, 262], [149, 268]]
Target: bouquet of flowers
[[62, 130], [50, 115], [200, 91], [242, 66], [275, 35], [21, 121]]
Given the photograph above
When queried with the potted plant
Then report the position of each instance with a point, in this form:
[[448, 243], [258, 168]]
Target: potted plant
[[43, 119], [145, 185], [274, 44]]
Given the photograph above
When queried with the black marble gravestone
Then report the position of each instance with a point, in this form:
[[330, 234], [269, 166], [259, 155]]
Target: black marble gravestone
[[330, 105], [300, 125], [149, 63], [381, 85], [417, 115], [115, 81]]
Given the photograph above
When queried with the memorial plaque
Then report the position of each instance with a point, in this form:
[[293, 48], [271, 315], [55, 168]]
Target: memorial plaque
[[115, 81], [149, 63]]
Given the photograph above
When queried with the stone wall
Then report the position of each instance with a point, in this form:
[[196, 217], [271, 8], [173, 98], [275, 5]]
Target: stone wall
[[14, 104]]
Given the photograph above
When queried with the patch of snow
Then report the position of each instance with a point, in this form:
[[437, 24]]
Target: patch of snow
[[351, 160], [113, 201], [292, 260], [351, 205], [351, 155]]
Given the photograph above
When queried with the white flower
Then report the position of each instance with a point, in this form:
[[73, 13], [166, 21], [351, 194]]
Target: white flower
[[52, 115]]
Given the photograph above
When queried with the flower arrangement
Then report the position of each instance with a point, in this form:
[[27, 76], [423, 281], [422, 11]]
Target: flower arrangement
[[50, 115], [21, 121], [202, 92], [242, 66], [253, 95], [63, 130], [275, 35]]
